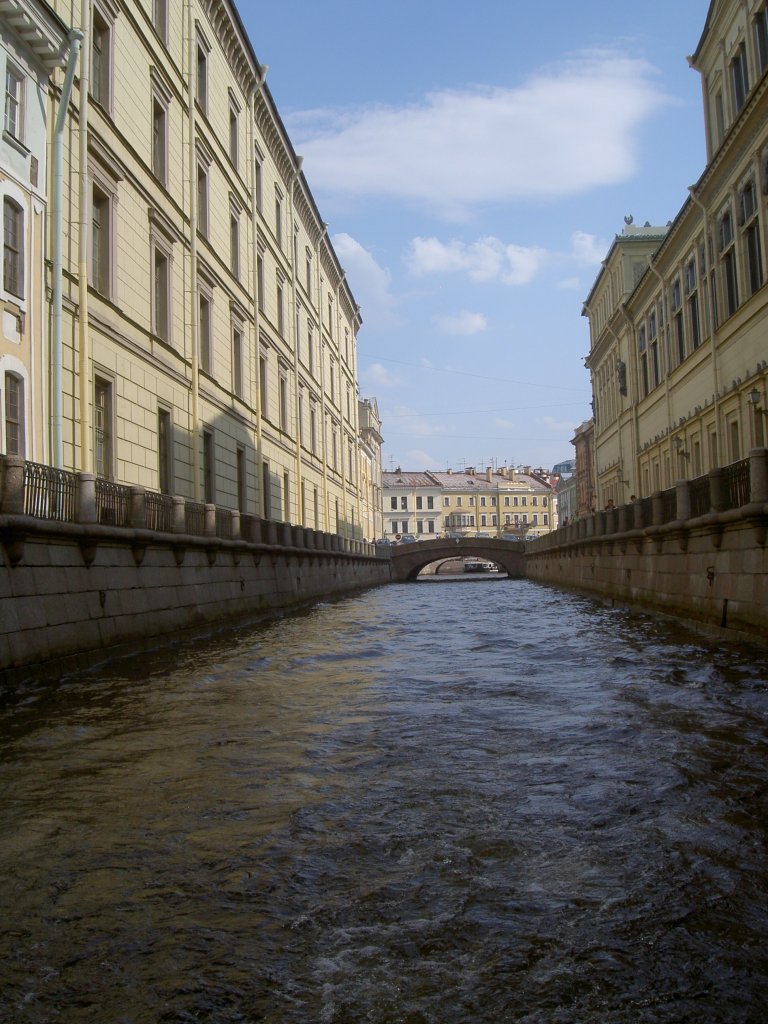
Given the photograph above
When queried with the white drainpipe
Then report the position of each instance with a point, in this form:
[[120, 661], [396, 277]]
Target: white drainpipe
[[75, 39]]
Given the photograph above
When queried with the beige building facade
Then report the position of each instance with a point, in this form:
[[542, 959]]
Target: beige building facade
[[679, 314], [518, 503], [209, 335]]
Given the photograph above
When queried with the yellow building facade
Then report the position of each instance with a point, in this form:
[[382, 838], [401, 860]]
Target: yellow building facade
[[209, 335], [679, 314]]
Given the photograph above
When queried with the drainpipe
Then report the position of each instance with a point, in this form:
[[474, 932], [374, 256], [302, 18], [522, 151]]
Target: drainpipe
[[296, 385], [194, 300], [712, 322], [262, 77], [84, 361], [75, 41]]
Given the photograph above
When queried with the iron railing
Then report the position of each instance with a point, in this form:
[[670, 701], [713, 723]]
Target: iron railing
[[737, 485], [224, 523], [194, 518], [113, 503], [159, 511], [700, 500], [50, 493]]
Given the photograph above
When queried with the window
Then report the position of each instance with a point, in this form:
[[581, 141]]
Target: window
[[101, 60], [159, 139], [260, 279], [748, 218], [404, 504], [240, 470], [164, 451], [201, 82], [483, 520], [283, 392], [677, 321], [482, 500], [280, 306], [642, 352], [308, 269], [691, 290], [234, 241], [313, 429], [13, 248], [733, 434], [419, 526], [286, 498], [160, 18], [160, 293], [266, 488], [102, 428], [419, 502], [209, 491], [204, 332], [101, 240], [761, 37], [202, 199], [237, 359], [719, 118], [14, 415], [330, 315], [263, 393], [258, 180], [332, 375], [728, 261], [234, 132], [739, 78], [311, 348], [430, 501], [279, 218], [14, 102], [446, 502]]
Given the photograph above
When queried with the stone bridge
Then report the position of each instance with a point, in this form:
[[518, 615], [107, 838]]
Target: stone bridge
[[409, 559]]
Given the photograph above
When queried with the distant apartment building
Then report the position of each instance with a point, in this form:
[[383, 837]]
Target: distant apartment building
[[32, 48], [678, 314], [467, 504], [208, 338], [371, 492]]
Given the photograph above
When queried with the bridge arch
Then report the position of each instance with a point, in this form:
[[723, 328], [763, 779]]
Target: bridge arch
[[409, 559]]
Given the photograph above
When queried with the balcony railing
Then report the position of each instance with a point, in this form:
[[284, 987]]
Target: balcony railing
[[113, 503], [50, 493], [159, 511]]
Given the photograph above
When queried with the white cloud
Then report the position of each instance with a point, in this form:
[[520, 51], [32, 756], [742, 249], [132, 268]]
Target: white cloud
[[486, 259], [378, 376], [568, 284], [417, 457], [369, 282], [567, 129], [588, 248], [463, 323]]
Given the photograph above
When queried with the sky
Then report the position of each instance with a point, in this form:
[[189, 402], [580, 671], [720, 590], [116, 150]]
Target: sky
[[474, 161]]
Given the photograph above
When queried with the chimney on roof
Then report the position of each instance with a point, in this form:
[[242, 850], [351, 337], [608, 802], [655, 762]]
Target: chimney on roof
[[489, 474], [470, 470], [449, 471]]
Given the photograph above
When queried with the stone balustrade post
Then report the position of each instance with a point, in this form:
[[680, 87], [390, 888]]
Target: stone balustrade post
[[758, 475], [657, 505], [13, 486], [236, 535], [138, 513], [683, 500], [718, 497], [179, 524], [270, 531], [286, 535], [86, 486], [625, 518], [209, 529]]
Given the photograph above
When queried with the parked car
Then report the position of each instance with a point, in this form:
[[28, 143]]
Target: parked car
[[406, 538]]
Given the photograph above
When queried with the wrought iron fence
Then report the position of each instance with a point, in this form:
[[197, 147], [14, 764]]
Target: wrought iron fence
[[700, 500], [194, 518], [669, 505], [737, 486], [224, 523], [159, 511], [113, 503], [50, 493]]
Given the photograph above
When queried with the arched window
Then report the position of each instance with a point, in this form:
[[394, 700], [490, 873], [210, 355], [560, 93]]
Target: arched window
[[13, 248], [14, 415]]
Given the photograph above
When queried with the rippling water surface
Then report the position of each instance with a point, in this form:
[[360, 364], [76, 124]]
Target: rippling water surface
[[486, 802]]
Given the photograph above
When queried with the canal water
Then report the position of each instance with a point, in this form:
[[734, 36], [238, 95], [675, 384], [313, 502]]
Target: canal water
[[427, 804]]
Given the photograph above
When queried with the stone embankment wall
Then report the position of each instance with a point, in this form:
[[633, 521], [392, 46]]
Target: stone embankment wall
[[710, 569], [71, 591]]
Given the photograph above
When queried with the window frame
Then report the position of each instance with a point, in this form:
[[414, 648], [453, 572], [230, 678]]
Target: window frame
[[17, 103], [13, 247]]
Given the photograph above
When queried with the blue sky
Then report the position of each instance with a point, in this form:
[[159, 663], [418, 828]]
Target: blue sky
[[474, 162]]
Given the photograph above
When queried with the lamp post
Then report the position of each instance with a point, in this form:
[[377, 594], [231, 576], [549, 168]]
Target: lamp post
[[755, 399]]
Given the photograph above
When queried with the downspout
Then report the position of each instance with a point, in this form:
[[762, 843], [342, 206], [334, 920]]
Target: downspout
[[262, 76], [75, 40], [84, 361], [321, 344], [667, 328], [194, 301], [297, 431], [712, 323]]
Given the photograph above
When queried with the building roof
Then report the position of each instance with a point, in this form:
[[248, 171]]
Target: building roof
[[464, 481]]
